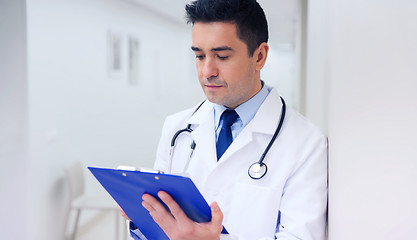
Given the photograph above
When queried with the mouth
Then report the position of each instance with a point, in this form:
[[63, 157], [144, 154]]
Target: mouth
[[211, 86]]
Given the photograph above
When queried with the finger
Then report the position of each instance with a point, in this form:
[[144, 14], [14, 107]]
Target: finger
[[216, 216], [173, 206], [158, 212], [123, 213], [148, 203], [154, 206]]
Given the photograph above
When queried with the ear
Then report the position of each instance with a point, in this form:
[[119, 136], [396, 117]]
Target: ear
[[260, 56]]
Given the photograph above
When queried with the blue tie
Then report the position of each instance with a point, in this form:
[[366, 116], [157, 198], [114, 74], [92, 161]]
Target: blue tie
[[225, 135]]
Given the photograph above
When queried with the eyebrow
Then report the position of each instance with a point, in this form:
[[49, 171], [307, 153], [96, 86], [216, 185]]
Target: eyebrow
[[217, 49]]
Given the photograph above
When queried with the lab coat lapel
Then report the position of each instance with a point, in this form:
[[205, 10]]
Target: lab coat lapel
[[204, 134], [265, 122]]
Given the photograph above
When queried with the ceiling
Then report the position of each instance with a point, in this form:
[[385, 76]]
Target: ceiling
[[282, 15]]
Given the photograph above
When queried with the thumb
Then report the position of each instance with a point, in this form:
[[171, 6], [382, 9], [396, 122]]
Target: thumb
[[216, 216]]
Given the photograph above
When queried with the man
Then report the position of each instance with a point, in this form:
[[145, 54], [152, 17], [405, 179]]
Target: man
[[229, 39]]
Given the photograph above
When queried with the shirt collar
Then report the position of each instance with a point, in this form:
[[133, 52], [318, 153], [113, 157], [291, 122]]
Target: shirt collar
[[246, 110]]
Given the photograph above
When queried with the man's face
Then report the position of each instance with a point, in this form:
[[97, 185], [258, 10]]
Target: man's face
[[226, 73]]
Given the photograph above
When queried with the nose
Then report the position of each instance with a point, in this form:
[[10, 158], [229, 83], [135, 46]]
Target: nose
[[209, 68]]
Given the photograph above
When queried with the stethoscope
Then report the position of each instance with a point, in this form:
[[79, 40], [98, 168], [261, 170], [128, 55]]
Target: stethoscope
[[257, 170]]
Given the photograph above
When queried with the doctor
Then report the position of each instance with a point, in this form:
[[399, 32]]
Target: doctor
[[229, 39]]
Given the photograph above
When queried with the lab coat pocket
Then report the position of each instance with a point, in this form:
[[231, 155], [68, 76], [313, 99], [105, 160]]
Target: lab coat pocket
[[256, 207]]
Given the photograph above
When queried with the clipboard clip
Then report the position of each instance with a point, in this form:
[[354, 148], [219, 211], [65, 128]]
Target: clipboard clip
[[146, 170]]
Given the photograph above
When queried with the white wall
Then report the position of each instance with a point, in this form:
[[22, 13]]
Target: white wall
[[366, 53], [317, 63], [13, 120], [78, 112]]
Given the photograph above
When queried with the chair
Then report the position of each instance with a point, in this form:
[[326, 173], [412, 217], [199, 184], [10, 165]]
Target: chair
[[79, 201]]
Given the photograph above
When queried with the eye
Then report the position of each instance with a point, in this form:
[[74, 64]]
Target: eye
[[200, 57], [222, 57]]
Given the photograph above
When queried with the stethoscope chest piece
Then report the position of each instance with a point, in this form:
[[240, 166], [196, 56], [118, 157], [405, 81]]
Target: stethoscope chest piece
[[257, 170]]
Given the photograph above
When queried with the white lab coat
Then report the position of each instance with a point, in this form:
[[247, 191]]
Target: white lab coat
[[295, 184]]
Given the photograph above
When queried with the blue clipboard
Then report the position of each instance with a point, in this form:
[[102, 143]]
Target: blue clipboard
[[127, 187]]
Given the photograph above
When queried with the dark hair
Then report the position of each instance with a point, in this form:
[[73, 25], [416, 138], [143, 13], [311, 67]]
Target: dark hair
[[249, 17]]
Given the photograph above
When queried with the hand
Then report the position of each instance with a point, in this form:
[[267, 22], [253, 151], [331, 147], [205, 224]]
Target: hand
[[123, 213], [177, 225]]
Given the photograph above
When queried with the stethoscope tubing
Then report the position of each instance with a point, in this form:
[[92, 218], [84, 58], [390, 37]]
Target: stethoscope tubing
[[174, 138], [281, 121], [260, 163]]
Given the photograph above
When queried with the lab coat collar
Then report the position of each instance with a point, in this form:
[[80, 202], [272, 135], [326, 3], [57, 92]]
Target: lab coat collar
[[267, 118], [265, 122], [203, 114]]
